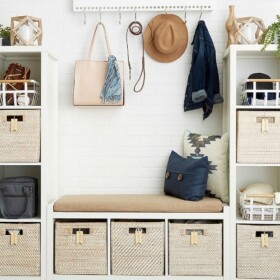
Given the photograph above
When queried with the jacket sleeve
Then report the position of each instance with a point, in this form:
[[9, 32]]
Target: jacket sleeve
[[195, 92]]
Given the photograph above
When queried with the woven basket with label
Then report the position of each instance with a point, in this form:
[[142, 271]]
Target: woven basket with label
[[15, 71]]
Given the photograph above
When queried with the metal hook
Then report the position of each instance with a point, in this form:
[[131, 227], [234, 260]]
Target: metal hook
[[185, 15], [135, 15], [201, 12], [85, 17], [100, 16], [166, 10], [120, 16]]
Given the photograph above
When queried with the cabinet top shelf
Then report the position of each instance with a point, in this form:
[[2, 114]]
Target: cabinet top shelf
[[21, 49], [250, 49]]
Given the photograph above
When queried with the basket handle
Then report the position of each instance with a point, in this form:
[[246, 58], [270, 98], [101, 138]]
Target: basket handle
[[260, 195]]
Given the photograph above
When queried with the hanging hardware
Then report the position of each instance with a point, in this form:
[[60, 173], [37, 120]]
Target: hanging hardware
[[120, 16], [100, 16], [166, 10], [85, 17], [136, 28], [157, 6], [135, 15], [201, 12], [185, 15]]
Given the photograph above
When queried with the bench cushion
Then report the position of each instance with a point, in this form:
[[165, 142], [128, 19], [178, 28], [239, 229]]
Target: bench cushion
[[135, 203]]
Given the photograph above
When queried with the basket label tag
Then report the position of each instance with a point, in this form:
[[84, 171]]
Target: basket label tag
[[264, 240], [14, 125], [194, 239], [264, 125], [79, 237], [138, 236], [14, 236]]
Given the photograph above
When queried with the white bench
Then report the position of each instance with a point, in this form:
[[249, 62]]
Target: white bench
[[136, 207]]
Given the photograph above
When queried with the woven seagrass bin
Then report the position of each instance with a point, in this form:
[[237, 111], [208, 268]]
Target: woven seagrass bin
[[258, 135], [19, 249], [81, 247], [258, 252], [137, 248], [195, 249], [19, 135]]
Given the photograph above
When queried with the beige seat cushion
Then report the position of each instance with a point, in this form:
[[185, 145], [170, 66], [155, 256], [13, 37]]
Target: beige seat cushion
[[135, 203]]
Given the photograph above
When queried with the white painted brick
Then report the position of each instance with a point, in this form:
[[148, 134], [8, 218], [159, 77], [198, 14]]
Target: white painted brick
[[125, 149]]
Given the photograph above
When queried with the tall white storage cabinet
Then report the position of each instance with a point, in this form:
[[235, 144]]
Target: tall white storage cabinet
[[239, 62], [44, 70]]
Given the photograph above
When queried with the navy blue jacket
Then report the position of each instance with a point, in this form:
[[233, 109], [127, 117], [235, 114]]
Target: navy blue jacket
[[203, 89]]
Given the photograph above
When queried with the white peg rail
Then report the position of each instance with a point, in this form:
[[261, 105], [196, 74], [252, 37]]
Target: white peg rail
[[146, 5]]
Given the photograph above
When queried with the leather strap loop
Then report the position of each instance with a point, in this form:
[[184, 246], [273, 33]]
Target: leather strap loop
[[93, 40], [136, 28]]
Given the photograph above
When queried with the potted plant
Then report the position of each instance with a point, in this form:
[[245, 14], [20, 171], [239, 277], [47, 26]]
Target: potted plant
[[272, 35], [5, 35]]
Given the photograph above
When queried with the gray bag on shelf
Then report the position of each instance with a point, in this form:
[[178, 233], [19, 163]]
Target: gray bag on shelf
[[18, 197]]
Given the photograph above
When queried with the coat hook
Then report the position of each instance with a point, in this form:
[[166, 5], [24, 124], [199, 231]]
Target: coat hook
[[185, 15], [200, 13], [135, 15], [85, 17], [166, 10], [100, 16], [120, 16]]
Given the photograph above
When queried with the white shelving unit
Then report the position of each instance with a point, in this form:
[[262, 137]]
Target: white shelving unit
[[44, 70], [239, 62]]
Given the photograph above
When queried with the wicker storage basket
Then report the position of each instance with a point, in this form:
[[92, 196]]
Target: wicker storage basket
[[81, 247], [258, 256], [19, 135], [258, 135], [137, 248], [20, 249], [195, 249]]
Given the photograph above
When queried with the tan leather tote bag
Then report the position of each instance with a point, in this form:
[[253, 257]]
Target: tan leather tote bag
[[90, 78]]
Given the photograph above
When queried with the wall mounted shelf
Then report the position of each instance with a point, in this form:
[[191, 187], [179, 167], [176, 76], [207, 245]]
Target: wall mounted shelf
[[147, 5]]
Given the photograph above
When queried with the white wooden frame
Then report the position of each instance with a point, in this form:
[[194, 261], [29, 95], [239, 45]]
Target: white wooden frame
[[52, 216]]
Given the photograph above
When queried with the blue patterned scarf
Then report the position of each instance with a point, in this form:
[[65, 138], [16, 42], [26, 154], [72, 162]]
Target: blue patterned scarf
[[112, 89]]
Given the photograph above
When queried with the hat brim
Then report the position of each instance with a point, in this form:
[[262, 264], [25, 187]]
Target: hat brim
[[149, 42]]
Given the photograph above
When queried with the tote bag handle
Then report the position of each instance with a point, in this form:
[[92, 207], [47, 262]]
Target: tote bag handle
[[93, 39]]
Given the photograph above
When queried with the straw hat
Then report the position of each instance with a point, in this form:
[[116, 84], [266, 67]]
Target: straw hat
[[166, 37]]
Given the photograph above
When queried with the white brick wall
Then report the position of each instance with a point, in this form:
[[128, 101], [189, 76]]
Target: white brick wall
[[125, 150]]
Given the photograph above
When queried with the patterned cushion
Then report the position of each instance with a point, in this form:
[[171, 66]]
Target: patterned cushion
[[216, 149]]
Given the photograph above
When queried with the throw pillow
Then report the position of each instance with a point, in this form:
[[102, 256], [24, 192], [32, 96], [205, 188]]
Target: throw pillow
[[216, 149], [186, 178]]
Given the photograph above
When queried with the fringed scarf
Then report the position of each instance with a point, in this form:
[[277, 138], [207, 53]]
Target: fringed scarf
[[112, 89]]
